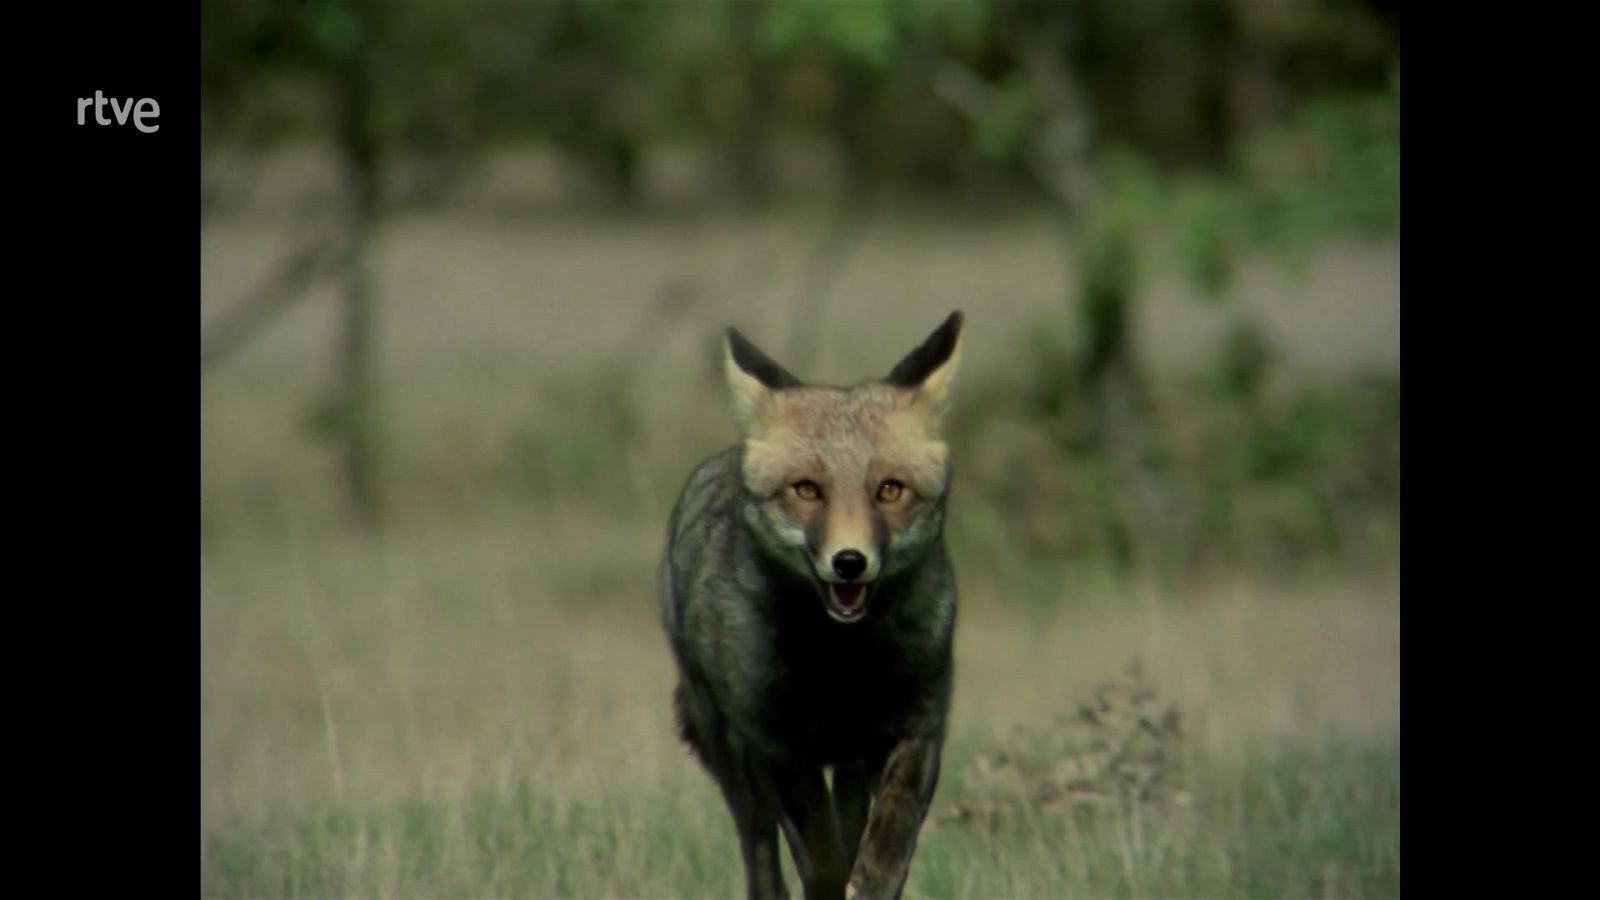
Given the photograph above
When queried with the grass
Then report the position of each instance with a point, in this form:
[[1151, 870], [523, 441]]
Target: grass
[[1290, 822], [473, 711]]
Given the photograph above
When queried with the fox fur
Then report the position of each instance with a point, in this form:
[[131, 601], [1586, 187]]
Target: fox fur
[[810, 605]]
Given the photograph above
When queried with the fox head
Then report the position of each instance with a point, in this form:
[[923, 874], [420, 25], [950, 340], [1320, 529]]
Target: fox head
[[847, 484]]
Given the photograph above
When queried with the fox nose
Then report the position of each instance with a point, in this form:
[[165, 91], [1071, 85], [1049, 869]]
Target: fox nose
[[849, 563]]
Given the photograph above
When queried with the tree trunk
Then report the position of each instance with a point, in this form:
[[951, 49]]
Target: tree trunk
[[359, 418], [749, 153], [1107, 262]]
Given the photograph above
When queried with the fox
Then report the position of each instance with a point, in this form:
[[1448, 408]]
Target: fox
[[810, 606]]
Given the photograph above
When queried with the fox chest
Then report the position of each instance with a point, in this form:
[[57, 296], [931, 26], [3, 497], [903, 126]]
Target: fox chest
[[834, 704]]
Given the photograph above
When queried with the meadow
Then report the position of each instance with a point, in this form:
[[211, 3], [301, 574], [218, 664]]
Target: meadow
[[475, 702]]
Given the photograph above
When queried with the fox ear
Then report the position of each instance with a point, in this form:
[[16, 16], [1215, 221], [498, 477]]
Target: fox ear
[[931, 367], [752, 376]]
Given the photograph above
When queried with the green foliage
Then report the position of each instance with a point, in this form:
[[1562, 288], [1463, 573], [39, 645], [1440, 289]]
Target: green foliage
[[1332, 169], [1107, 253], [1207, 222], [606, 81], [1298, 475], [1133, 189], [1263, 471], [876, 34], [861, 32], [1243, 364], [336, 30], [1004, 131], [1108, 274]]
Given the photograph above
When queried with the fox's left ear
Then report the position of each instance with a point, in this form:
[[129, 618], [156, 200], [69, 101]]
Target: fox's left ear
[[932, 366]]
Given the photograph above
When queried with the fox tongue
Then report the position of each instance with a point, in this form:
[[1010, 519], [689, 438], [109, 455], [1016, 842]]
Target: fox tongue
[[848, 595]]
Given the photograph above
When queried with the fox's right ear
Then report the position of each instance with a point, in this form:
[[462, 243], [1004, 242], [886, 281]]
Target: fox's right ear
[[752, 376], [932, 366]]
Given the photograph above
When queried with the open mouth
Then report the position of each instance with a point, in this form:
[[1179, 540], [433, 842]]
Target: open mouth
[[846, 602]]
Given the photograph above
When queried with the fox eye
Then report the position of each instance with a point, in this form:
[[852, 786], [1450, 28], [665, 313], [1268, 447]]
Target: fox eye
[[807, 490], [890, 491]]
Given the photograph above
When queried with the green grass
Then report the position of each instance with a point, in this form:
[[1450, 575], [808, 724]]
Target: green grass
[[451, 713], [1288, 821], [521, 842]]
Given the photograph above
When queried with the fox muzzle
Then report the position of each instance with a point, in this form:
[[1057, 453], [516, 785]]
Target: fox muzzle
[[849, 564]]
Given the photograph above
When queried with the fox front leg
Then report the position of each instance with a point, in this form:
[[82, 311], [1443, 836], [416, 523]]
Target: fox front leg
[[905, 790], [853, 787], [809, 821]]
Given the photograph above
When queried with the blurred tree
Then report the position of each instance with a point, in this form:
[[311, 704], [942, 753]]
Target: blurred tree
[[345, 70], [348, 42], [869, 50], [340, 45], [1216, 124], [595, 85], [1129, 118], [388, 84]]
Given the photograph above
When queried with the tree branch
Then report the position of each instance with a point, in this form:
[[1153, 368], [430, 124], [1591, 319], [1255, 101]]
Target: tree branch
[[286, 286], [1057, 155]]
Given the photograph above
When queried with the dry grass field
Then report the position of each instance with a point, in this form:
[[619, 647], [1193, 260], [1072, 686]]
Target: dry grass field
[[418, 674]]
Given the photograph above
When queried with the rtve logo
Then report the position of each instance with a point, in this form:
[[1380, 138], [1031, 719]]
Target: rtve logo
[[144, 108]]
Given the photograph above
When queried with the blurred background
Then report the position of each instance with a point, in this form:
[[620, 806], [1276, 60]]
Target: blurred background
[[465, 268]]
